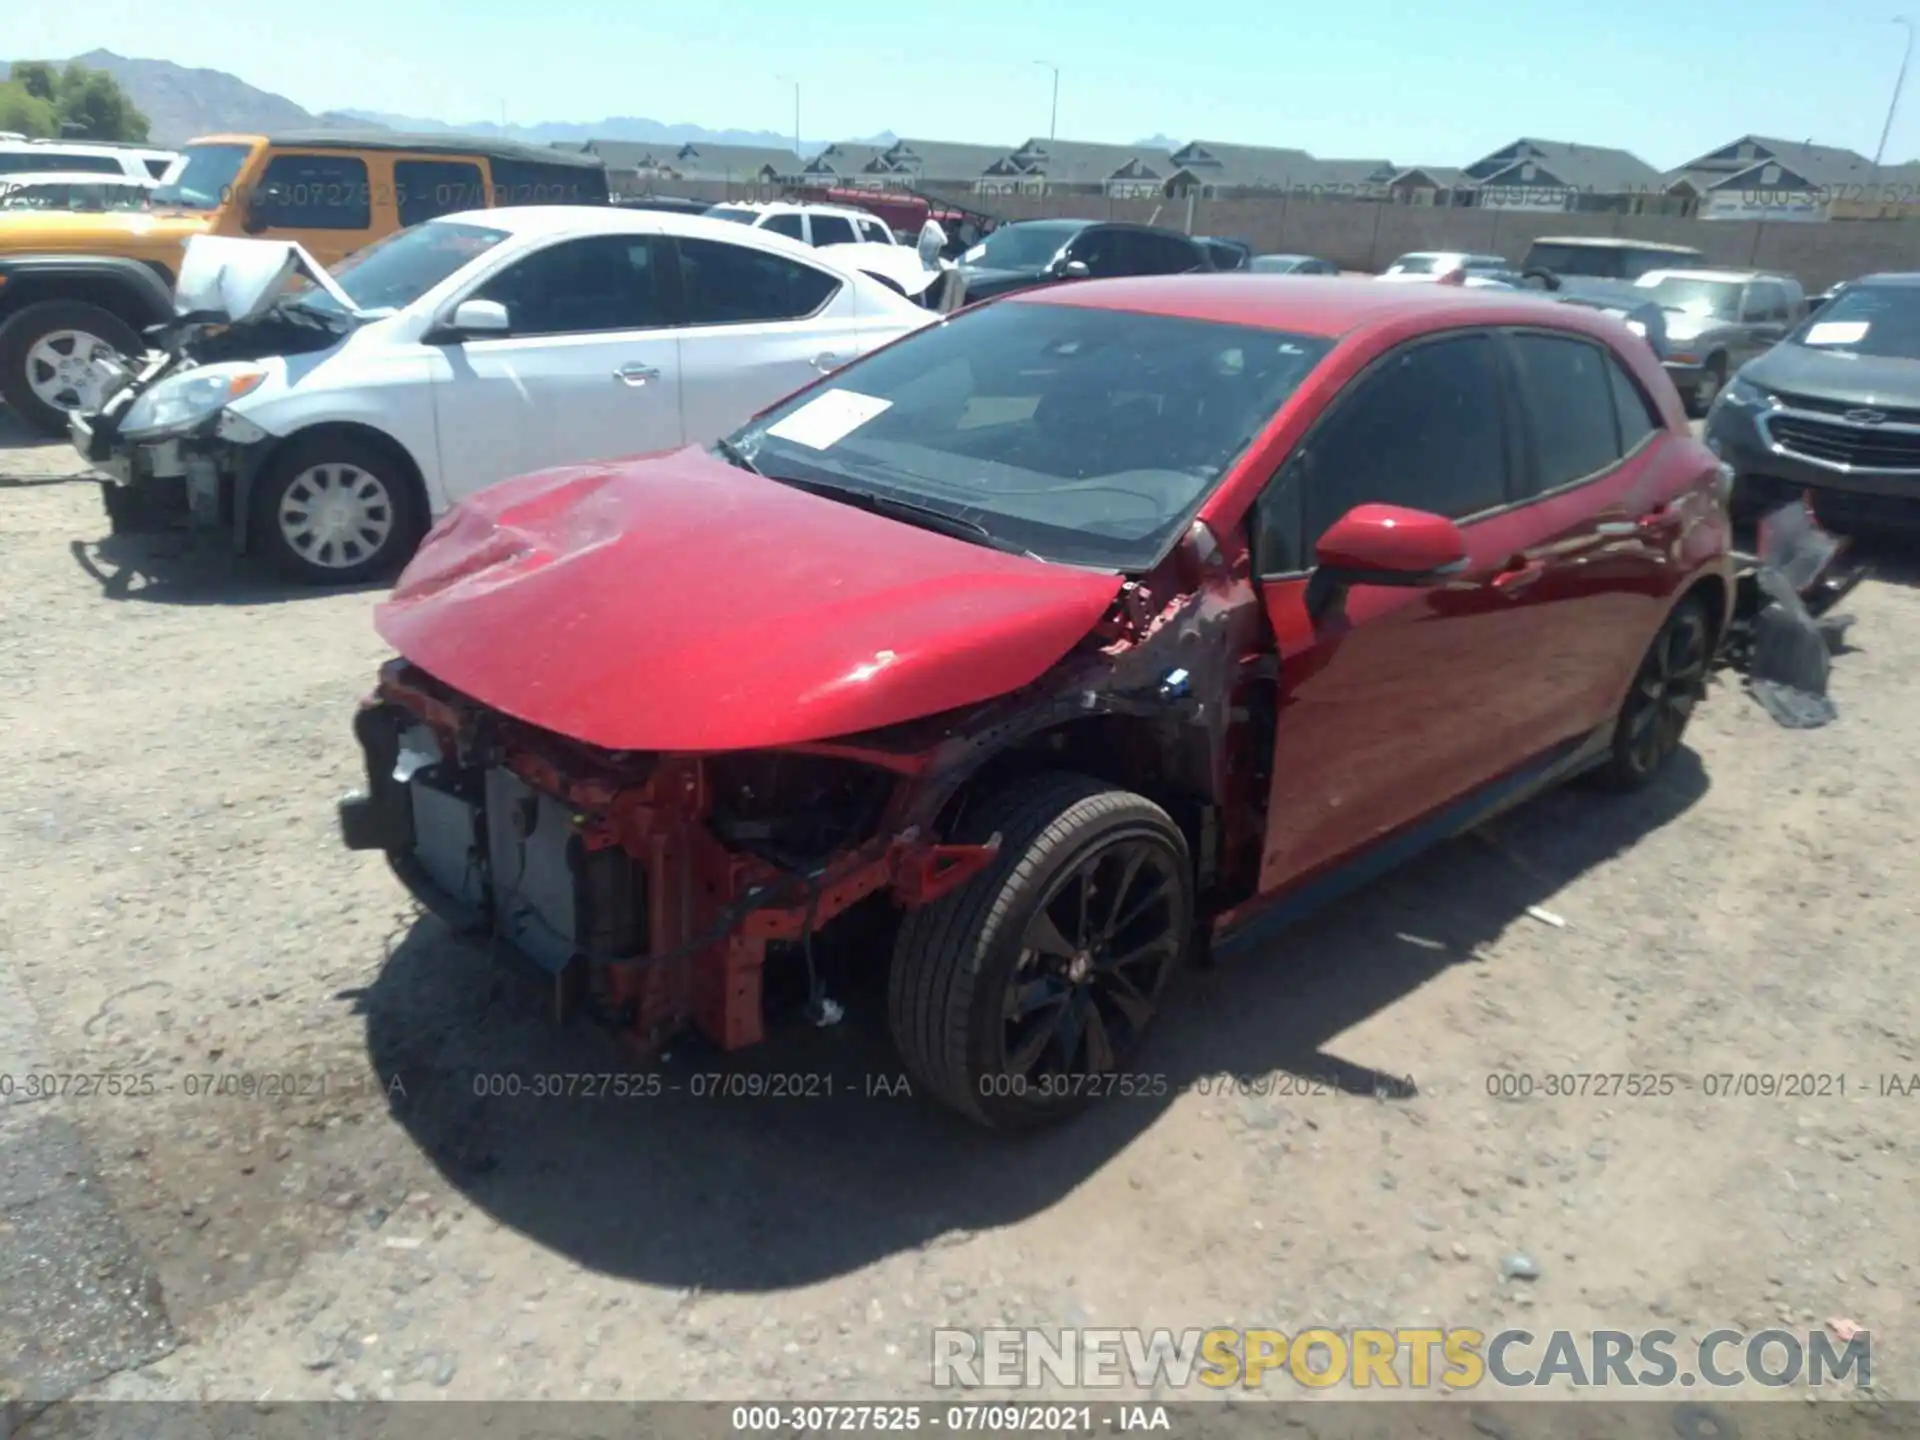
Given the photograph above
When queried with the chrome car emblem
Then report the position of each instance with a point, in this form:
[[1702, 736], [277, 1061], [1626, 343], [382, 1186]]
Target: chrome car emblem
[[1866, 417]]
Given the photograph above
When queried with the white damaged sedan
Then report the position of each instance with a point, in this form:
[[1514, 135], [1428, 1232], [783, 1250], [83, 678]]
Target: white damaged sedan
[[326, 419]]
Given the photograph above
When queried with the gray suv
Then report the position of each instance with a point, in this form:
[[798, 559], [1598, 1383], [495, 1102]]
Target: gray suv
[[1718, 320]]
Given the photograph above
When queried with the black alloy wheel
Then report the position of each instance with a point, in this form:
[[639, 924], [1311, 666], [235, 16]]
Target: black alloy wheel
[[1670, 682]]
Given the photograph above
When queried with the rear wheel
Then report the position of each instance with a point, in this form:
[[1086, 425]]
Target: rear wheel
[[1670, 682], [1024, 995], [336, 510], [48, 355]]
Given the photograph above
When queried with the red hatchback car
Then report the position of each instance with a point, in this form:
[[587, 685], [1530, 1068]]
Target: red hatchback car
[[1064, 638]]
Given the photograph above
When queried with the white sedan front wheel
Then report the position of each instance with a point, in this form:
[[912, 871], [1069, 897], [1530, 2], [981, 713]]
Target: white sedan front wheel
[[337, 511]]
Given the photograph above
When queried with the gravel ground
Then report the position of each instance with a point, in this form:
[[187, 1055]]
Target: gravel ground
[[178, 905]]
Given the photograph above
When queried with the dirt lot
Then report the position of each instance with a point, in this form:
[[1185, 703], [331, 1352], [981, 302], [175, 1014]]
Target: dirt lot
[[177, 905]]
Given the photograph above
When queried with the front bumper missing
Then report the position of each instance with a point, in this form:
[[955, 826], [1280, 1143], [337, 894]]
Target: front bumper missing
[[618, 884]]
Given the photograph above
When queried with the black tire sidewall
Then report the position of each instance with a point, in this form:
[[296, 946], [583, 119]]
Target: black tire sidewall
[[302, 454], [22, 330], [985, 1031], [1621, 773]]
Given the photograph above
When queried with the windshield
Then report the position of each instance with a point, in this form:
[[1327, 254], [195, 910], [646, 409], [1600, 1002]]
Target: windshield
[[202, 178], [1414, 265], [1085, 436], [398, 270], [724, 212], [1707, 299], [1025, 246], [1877, 320]]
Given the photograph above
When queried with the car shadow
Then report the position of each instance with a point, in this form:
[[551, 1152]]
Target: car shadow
[[1894, 559], [754, 1194], [184, 569]]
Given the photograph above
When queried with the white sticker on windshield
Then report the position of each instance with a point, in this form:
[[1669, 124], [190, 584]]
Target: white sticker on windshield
[[1838, 332], [823, 423]]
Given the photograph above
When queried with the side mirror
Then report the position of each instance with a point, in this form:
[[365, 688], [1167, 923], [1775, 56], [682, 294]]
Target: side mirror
[[1384, 545], [1075, 270], [253, 222], [478, 318]]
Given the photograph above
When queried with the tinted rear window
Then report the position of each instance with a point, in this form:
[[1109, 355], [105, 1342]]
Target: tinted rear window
[[526, 182]]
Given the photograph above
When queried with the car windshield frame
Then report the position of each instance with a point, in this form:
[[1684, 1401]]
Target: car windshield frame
[[1026, 234], [212, 181], [391, 251], [1003, 448], [1861, 303], [1702, 299]]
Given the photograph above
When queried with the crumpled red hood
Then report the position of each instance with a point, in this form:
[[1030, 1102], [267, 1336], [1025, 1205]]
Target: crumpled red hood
[[676, 602]]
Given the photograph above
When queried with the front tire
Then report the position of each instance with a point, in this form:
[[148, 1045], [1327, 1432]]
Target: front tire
[[336, 510], [1712, 381], [1022, 997], [1670, 682], [47, 355]]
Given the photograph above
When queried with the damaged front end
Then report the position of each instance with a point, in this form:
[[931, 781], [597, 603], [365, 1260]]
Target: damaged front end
[[654, 887], [1785, 631], [169, 452]]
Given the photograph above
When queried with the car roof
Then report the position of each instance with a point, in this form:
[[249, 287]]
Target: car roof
[[425, 144], [1729, 277], [781, 207], [1325, 307], [72, 177], [1615, 242], [1904, 279], [534, 221]]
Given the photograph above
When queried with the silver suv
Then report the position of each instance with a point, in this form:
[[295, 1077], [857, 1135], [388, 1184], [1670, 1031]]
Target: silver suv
[[1717, 320]]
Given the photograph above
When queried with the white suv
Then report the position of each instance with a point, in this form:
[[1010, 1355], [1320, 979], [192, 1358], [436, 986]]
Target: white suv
[[21, 157], [331, 423], [809, 224]]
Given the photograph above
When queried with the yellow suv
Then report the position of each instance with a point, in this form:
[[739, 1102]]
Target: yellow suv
[[75, 287]]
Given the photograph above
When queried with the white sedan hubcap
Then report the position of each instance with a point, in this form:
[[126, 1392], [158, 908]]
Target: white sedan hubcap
[[62, 369], [336, 516]]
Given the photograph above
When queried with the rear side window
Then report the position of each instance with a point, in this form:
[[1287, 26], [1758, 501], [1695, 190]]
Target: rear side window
[[736, 285], [19, 162], [1147, 253], [157, 168], [1638, 419], [1565, 386], [787, 223], [527, 182], [874, 233], [314, 192], [832, 230], [1422, 429], [427, 189]]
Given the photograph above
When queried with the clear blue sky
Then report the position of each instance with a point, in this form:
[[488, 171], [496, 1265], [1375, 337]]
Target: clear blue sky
[[1434, 83]]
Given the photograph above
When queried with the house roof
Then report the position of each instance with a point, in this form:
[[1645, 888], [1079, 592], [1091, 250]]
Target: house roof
[[852, 159], [1349, 175], [1085, 162], [1218, 163], [945, 159], [1821, 166], [1446, 177], [726, 162], [1597, 168], [1726, 159]]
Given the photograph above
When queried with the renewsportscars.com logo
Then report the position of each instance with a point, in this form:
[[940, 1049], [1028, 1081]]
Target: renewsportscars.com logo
[[1417, 1358]]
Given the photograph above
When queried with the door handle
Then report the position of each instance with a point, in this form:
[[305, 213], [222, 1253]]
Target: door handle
[[1518, 575], [1616, 527], [824, 363], [636, 374]]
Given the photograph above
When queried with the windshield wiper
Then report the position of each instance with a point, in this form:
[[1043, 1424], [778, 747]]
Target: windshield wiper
[[906, 511], [735, 456]]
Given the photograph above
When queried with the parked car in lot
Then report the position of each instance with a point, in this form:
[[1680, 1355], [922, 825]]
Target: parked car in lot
[[1043, 252], [856, 237], [74, 190], [1623, 302], [1292, 265], [1088, 627], [1835, 410], [1226, 254], [1430, 265], [1717, 320], [1817, 303], [21, 156], [1606, 257], [328, 426], [75, 288]]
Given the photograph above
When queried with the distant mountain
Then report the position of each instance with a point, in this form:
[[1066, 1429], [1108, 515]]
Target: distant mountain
[[614, 127], [180, 102], [1159, 142]]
